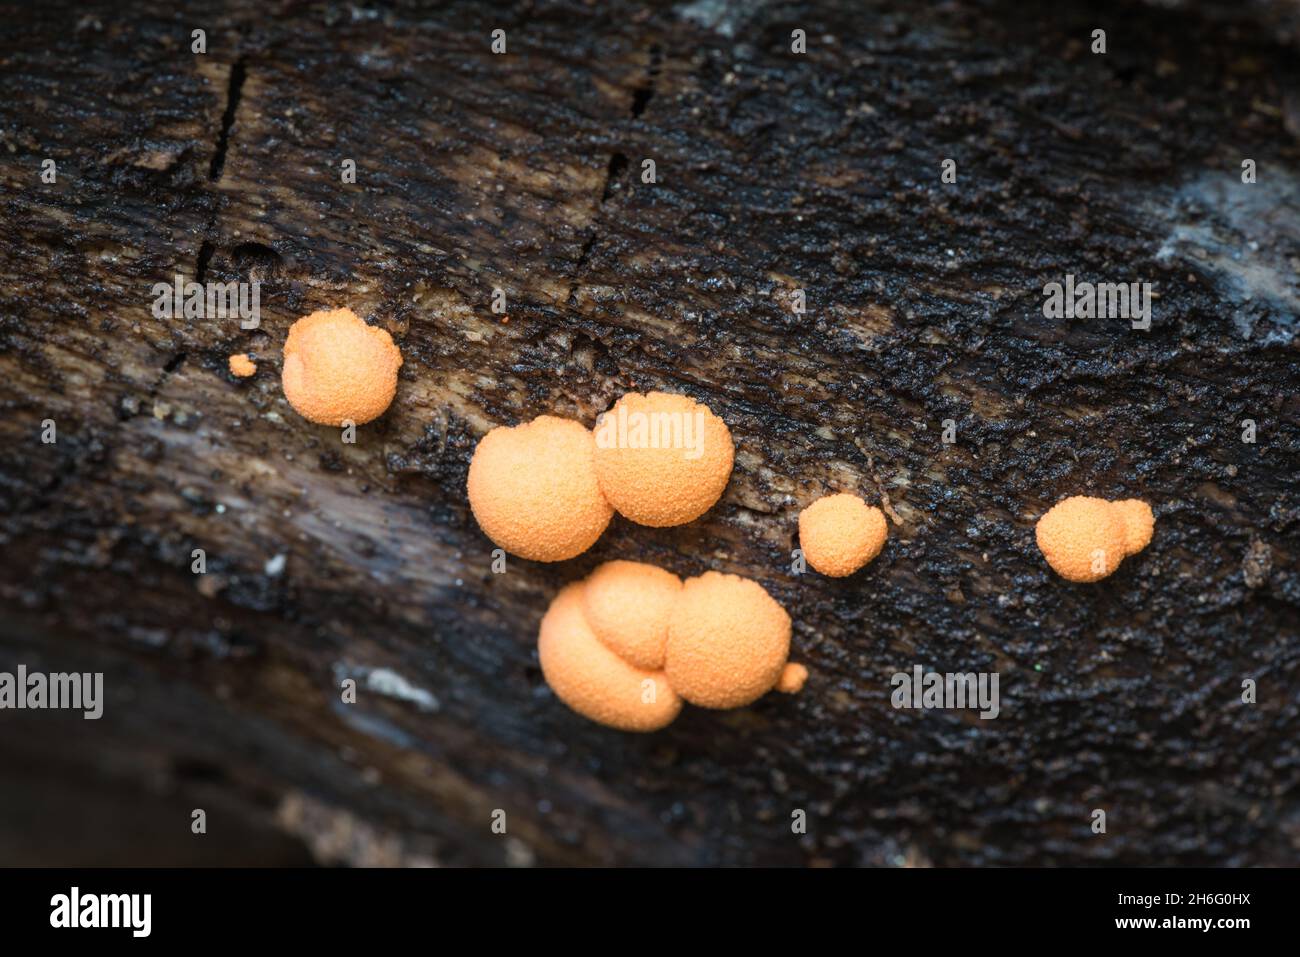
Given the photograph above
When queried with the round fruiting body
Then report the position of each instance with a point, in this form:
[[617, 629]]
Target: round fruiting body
[[533, 489], [337, 369], [728, 641], [840, 533], [662, 459], [792, 679]]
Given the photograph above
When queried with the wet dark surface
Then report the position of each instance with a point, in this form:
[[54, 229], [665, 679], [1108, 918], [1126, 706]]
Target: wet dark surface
[[775, 172]]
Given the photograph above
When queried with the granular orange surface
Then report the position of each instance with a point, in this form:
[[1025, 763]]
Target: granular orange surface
[[728, 641], [1139, 524], [675, 482], [533, 489], [841, 533], [338, 369], [719, 641], [627, 605], [1084, 538], [594, 681]]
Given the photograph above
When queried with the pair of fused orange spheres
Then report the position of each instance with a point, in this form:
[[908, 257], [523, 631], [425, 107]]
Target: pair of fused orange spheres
[[546, 490], [629, 644], [1084, 538]]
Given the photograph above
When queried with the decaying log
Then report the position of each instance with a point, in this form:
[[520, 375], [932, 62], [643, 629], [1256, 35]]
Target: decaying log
[[775, 171]]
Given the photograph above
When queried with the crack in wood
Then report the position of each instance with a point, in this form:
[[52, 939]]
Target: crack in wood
[[618, 161], [238, 74], [234, 92]]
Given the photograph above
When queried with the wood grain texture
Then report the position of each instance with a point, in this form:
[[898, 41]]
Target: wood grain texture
[[775, 172]]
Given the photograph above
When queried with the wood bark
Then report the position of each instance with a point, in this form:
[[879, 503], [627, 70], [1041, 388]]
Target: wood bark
[[774, 172]]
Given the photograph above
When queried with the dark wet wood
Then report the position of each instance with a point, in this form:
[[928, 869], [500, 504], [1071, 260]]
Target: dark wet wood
[[775, 172]]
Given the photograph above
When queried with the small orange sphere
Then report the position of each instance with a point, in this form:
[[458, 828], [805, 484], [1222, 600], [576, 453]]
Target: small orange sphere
[[841, 533], [662, 459], [792, 679], [242, 366], [533, 489], [1139, 524], [338, 369], [594, 681], [728, 641]]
